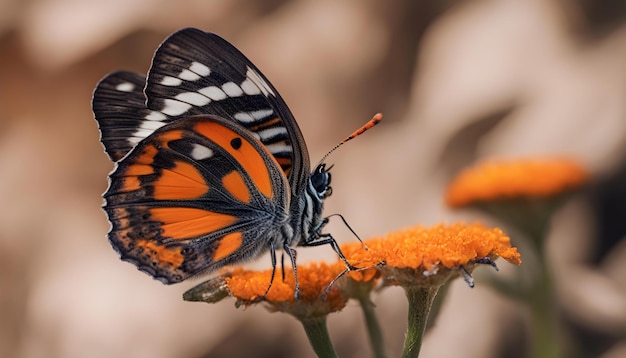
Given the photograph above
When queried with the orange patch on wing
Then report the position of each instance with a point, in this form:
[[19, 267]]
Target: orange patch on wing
[[247, 155], [233, 182], [130, 184], [139, 169], [141, 166], [227, 245], [184, 223], [183, 181], [169, 136], [163, 254], [284, 161], [146, 157], [285, 164]]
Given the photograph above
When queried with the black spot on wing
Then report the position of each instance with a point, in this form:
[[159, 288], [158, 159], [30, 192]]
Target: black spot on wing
[[236, 143]]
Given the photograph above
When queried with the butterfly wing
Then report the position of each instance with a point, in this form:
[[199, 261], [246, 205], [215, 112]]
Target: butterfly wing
[[119, 106], [195, 72], [195, 195]]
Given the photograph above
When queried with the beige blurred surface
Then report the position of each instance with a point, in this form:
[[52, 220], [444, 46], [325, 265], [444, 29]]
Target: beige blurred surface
[[456, 80]]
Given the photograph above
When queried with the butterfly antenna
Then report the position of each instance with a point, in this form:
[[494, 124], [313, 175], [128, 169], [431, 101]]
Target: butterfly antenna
[[372, 122]]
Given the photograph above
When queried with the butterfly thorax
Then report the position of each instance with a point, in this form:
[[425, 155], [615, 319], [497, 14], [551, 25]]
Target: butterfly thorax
[[311, 205]]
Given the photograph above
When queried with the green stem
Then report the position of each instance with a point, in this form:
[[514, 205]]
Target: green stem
[[420, 302], [437, 304], [541, 298], [373, 327], [316, 331], [545, 340]]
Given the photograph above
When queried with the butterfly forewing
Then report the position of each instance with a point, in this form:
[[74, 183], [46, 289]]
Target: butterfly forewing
[[194, 196], [119, 106], [194, 72]]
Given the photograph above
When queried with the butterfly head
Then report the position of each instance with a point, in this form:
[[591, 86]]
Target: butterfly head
[[320, 179]]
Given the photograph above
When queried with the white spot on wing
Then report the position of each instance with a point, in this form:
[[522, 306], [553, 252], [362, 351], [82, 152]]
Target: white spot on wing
[[193, 98], [200, 152], [253, 116], [188, 76], [145, 129], [279, 147], [262, 113], [140, 134], [261, 84], [151, 125], [243, 117], [156, 116], [171, 81], [231, 89], [125, 87], [200, 69], [214, 93], [174, 108], [134, 140], [250, 88], [272, 132]]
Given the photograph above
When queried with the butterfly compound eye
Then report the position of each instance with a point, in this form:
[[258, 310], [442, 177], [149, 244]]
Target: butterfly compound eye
[[320, 179]]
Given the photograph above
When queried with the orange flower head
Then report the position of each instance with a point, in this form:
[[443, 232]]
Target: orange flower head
[[434, 252], [249, 286], [318, 296], [529, 178]]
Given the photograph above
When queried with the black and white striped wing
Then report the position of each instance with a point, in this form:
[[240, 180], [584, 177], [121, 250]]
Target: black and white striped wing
[[119, 106], [195, 72]]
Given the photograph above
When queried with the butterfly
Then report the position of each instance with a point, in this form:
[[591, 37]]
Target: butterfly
[[211, 168]]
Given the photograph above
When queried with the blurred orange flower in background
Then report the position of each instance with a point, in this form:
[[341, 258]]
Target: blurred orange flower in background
[[500, 179]]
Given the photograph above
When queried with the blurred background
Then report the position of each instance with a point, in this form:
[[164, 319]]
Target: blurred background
[[457, 81]]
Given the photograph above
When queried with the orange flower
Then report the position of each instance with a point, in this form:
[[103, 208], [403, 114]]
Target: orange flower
[[249, 286], [529, 178], [429, 250], [317, 296]]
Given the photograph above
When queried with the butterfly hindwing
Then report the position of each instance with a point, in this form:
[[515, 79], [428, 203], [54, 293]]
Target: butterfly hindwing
[[195, 195], [195, 72]]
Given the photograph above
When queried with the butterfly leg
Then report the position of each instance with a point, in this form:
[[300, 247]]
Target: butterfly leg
[[292, 256], [273, 258], [318, 239], [326, 219], [328, 239], [282, 265]]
